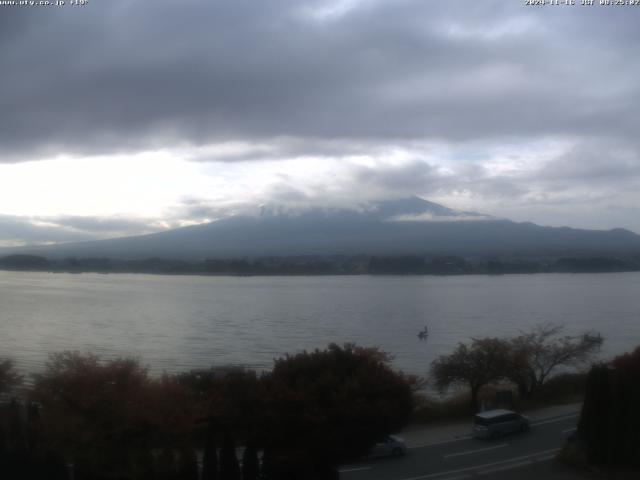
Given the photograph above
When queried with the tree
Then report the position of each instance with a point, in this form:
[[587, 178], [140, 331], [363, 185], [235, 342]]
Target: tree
[[93, 410], [9, 377], [210, 458], [328, 406], [187, 464], [166, 468], [229, 466], [250, 464], [477, 365], [609, 426], [537, 354], [227, 399], [106, 415]]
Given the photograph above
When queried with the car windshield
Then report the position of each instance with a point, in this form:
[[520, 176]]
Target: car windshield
[[481, 420]]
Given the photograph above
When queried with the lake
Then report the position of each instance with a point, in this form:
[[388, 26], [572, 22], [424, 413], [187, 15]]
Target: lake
[[176, 323]]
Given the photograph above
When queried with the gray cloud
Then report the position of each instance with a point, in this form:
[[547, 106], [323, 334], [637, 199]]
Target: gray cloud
[[114, 226], [420, 178], [412, 177], [15, 230], [194, 209], [595, 162], [25, 230], [291, 79], [105, 78]]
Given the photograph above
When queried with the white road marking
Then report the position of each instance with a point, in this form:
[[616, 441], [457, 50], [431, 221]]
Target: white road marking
[[553, 420], [433, 444], [459, 477], [567, 430], [485, 465], [505, 467], [469, 452], [545, 458], [354, 469]]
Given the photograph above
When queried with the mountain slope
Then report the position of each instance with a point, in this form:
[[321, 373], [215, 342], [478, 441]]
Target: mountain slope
[[408, 226]]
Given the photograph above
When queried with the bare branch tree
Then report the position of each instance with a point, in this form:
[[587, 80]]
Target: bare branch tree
[[535, 355]]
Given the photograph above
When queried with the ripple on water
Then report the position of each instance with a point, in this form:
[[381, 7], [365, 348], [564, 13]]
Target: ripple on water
[[179, 323]]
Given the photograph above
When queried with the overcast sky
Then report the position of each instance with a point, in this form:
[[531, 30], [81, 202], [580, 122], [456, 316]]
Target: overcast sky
[[122, 117]]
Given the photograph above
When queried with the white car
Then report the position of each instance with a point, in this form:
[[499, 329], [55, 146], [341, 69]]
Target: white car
[[495, 423], [391, 446]]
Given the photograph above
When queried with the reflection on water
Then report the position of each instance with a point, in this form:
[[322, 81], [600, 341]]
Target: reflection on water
[[175, 322]]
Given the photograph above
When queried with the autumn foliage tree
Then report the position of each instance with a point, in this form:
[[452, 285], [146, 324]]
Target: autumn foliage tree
[[107, 415], [327, 406], [228, 399], [110, 419], [609, 426]]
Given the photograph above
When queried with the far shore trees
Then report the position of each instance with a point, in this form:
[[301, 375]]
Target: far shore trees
[[9, 377]]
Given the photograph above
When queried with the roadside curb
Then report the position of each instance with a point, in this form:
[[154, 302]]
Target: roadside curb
[[421, 436]]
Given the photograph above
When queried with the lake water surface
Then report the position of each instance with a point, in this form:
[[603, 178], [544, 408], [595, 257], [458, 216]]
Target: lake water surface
[[176, 323]]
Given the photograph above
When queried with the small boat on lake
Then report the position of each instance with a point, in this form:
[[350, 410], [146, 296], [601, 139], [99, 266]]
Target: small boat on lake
[[424, 333]]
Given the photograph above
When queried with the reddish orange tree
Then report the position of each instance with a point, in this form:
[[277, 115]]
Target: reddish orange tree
[[228, 399], [609, 426], [106, 416], [328, 406]]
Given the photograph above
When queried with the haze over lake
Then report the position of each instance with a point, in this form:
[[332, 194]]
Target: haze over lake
[[176, 323]]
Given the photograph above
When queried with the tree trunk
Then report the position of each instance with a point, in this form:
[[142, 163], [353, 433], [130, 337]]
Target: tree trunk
[[210, 458], [475, 389], [229, 466], [188, 464], [523, 391], [250, 465]]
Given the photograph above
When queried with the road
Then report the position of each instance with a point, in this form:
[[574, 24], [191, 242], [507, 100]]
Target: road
[[469, 457]]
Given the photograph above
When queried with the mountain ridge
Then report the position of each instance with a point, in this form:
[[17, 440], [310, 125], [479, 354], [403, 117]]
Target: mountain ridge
[[396, 227]]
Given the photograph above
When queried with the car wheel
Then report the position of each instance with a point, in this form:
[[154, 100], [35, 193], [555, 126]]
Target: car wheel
[[397, 452]]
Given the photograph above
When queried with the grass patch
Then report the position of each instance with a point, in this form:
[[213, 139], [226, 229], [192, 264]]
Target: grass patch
[[559, 390], [431, 409]]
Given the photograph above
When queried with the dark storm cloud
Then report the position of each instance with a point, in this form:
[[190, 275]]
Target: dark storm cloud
[[120, 76]]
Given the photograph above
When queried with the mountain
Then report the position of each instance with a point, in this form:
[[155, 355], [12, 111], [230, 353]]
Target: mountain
[[399, 227]]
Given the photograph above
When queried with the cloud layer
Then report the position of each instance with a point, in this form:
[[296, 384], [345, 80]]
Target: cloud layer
[[121, 75], [491, 106]]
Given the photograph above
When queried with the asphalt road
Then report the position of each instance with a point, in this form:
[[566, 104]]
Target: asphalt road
[[469, 457]]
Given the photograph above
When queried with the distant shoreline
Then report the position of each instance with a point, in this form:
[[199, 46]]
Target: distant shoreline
[[407, 265]]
